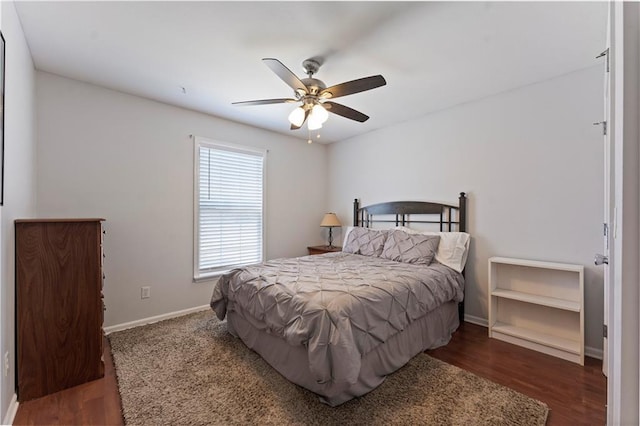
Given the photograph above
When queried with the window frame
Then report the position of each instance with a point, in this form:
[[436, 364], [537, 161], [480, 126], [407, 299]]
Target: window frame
[[200, 141]]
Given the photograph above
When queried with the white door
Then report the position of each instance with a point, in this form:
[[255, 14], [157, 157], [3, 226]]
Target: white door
[[603, 259]]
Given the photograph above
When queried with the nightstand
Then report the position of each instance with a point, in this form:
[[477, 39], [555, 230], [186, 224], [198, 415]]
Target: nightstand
[[323, 249]]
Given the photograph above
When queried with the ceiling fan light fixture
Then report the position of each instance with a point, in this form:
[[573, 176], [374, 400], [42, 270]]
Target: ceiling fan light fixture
[[314, 123], [297, 117], [319, 113]]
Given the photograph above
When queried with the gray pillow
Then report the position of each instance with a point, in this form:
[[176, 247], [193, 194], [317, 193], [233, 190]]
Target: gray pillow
[[410, 248], [365, 241]]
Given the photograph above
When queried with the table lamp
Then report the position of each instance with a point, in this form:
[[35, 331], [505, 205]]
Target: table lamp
[[330, 220]]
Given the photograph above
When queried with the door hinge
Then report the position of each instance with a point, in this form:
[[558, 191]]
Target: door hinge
[[604, 331], [604, 126], [605, 229], [606, 54]]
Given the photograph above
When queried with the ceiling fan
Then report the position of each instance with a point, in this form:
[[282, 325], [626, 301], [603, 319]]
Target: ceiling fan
[[314, 95]]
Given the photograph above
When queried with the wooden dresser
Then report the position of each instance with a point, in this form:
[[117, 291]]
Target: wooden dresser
[[59, 307]]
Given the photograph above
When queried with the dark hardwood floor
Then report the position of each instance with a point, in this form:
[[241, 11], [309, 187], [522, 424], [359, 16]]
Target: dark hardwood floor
[[576, 395], [93, 403]]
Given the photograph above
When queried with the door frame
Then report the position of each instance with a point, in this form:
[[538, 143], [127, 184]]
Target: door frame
[[608, 204], [623, 390]]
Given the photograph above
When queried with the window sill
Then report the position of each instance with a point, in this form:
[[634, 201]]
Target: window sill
[[212, 276]]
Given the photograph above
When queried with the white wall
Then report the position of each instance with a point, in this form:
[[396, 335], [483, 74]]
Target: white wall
[[530, 160], [103, 153], [19, 173]]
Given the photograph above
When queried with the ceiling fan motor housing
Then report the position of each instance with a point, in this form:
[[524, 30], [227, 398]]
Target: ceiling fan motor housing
[[314, 86]]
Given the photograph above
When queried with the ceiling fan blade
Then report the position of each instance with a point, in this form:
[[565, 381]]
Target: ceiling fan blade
[[353, 86], [345, 111], [285, 74], [266, 102], [306, 114]]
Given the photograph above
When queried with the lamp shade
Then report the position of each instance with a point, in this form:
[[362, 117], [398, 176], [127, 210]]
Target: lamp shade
[[319, 113], [313, 123], [330, 220], [297, 116]]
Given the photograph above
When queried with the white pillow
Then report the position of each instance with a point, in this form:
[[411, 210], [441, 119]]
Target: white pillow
[[346, 234], [452, 250]]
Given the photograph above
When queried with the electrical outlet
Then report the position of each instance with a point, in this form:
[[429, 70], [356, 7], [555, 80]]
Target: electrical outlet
[[145, 292], [6, 364]]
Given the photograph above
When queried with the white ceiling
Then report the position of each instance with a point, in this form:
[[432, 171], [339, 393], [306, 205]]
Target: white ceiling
[[433, 54]]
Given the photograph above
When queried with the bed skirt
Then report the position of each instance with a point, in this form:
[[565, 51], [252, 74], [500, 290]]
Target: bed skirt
[[431, 331]]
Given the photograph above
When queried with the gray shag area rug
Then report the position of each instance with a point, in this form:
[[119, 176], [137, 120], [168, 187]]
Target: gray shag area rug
[[190, 371]]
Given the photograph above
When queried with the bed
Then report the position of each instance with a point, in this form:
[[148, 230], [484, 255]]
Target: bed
[[339, 323]]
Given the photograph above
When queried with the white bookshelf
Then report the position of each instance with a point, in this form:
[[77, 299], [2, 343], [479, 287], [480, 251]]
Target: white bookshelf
[[538, 305]]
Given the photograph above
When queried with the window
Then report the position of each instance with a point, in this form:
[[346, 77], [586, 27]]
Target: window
[[229, 206]]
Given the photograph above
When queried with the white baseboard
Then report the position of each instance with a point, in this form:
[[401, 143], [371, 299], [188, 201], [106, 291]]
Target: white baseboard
[[593, 352], [476, 320], [151, 320], [13, 407], [11, 411]]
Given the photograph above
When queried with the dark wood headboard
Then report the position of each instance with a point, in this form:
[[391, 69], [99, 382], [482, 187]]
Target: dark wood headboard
[[434, 213], [442, 214]]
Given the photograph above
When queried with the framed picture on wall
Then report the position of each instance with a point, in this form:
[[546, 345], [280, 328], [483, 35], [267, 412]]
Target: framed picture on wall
[[1, 119]]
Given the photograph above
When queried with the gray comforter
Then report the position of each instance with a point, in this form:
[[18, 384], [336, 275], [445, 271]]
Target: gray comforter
[[339, 305]]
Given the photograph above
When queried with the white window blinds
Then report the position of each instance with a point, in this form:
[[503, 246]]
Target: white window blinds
[[229, 218]]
